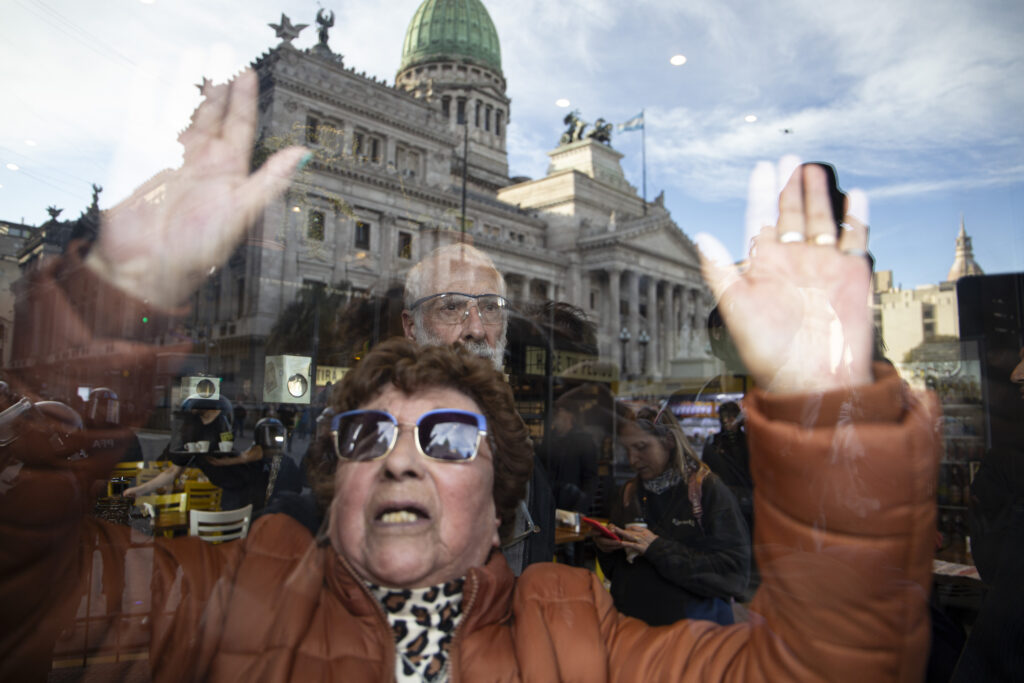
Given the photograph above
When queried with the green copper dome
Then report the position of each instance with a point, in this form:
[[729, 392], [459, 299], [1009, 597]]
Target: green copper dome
[[452, 30]]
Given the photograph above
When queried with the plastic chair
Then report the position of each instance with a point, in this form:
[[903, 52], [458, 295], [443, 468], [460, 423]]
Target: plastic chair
[[215, 527], [124, 470], [171, 502], [203, 496], [127, 469]]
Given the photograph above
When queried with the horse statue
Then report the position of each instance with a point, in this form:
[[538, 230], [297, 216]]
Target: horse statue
[[602, 132], [576, 126]]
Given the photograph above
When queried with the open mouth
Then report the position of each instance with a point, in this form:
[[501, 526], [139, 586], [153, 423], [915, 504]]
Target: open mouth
[[402, 515]]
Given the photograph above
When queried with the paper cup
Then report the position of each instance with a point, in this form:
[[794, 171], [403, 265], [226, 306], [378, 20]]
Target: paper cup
[[191, 447], [226, 446], [203, 446]]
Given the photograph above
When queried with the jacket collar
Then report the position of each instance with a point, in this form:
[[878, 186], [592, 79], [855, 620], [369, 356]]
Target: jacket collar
[[487, 593]]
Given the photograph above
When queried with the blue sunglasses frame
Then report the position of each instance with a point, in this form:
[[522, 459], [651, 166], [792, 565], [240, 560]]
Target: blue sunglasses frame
[[464, 418]]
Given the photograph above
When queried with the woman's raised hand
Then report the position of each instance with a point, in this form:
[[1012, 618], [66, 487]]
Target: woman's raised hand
[[799, 312], [159, 244]]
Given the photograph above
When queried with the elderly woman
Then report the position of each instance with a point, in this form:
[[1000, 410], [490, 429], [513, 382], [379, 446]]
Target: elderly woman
[[406, 582], [693, 553]]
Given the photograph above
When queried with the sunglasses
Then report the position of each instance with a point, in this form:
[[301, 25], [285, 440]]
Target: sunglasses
[[446, 435]]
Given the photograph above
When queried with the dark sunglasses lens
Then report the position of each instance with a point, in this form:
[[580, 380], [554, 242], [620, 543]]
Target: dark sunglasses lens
[[364, 436], [448, 435]]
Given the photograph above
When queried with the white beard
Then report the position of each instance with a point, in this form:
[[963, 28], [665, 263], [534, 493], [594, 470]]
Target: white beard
[[495, 355]]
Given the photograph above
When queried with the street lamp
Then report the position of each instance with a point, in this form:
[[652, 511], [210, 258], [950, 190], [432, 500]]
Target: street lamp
[[644, 339], [624, 337]]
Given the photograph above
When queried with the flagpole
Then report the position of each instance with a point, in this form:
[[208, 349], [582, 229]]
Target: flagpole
[[643, 155]]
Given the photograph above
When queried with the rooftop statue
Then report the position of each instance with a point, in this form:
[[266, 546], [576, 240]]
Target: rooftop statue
[[576, 126], [287, 31], [602, 131], [325, 19]]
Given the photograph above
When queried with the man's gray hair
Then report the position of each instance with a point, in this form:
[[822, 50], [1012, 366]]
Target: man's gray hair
[[421, 278]]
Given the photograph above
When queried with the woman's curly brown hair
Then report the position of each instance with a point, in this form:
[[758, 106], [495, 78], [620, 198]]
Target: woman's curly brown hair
[[411, 368]]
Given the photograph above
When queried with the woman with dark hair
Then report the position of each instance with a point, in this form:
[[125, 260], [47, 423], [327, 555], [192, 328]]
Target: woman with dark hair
[[685, 549]]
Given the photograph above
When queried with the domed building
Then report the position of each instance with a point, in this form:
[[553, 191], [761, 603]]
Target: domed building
[[451, 55], [387, 184]]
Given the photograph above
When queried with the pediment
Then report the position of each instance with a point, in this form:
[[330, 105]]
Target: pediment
[[664, 240]]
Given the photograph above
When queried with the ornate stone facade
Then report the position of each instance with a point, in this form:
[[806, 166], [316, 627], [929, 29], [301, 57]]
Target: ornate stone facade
[[385, 187]]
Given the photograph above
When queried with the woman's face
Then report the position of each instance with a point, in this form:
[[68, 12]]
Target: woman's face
[[647, 455], [407, 521]]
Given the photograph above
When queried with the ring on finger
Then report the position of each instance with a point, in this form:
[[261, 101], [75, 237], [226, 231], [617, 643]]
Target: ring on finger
[[823, 239], [854, 251], [791, 236]]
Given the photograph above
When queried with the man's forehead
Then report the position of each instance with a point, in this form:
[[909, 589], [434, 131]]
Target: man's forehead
[[460, 275]]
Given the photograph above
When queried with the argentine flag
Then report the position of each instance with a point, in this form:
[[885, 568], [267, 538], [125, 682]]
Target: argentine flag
[[635, 123]]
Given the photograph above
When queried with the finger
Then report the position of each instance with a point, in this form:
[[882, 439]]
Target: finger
[[208, 118], [240, 121], [819, 222], [857, 206], [272, 178], [716, 264], [762, 209], [788, 163], [854, 237], [791, 226]]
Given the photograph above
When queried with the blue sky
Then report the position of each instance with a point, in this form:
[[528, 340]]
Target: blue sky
[[920, 104]]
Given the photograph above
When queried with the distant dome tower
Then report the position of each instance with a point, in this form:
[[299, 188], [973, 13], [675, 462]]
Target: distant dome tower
[[451, 57], [963, 263]]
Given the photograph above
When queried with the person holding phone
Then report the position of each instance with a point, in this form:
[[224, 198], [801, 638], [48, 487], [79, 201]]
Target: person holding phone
[[685, 549]]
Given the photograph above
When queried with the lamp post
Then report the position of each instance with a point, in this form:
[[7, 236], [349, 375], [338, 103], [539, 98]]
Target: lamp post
[[624, 337], [644, 339]]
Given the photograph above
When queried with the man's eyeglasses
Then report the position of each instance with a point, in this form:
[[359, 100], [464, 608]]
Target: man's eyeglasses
[[452, 308], [446, 435]]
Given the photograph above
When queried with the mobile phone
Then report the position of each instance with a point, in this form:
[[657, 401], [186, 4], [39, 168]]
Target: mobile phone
[[605, 531]]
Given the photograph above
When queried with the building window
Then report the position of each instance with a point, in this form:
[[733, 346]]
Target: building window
[[315, 226], [404, 245], [497, 123], [358, 144], [446, 106], [460, 110], [362, 237], [375, 149], [593, 299], [312, 130], [487, 118], [239, 296], [478, 107]]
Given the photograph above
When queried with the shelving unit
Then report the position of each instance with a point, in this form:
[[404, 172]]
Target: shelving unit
[[958, 383]]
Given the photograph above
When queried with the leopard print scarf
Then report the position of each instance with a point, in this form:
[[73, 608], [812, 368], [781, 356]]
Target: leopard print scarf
[[423, 621]]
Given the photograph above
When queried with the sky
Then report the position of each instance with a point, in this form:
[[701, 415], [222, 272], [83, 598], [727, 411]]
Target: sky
[[920, 104]]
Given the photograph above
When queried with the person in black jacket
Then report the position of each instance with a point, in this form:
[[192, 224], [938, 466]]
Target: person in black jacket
[[727, 455], [690, 553]]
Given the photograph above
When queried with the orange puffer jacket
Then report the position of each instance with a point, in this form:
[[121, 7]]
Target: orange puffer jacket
[[844, 499]]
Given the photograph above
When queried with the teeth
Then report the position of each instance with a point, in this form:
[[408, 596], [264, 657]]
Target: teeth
[[398, 517]]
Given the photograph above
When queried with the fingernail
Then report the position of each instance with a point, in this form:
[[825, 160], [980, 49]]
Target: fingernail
[[306, 158]]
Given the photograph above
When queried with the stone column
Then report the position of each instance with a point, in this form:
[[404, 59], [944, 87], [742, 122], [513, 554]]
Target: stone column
[[612, 321], [583, 291], [634, 322], [671, 323], [653, 365]]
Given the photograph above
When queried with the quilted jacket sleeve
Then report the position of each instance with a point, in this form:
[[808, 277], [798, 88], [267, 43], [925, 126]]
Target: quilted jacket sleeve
[[844, 500]]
